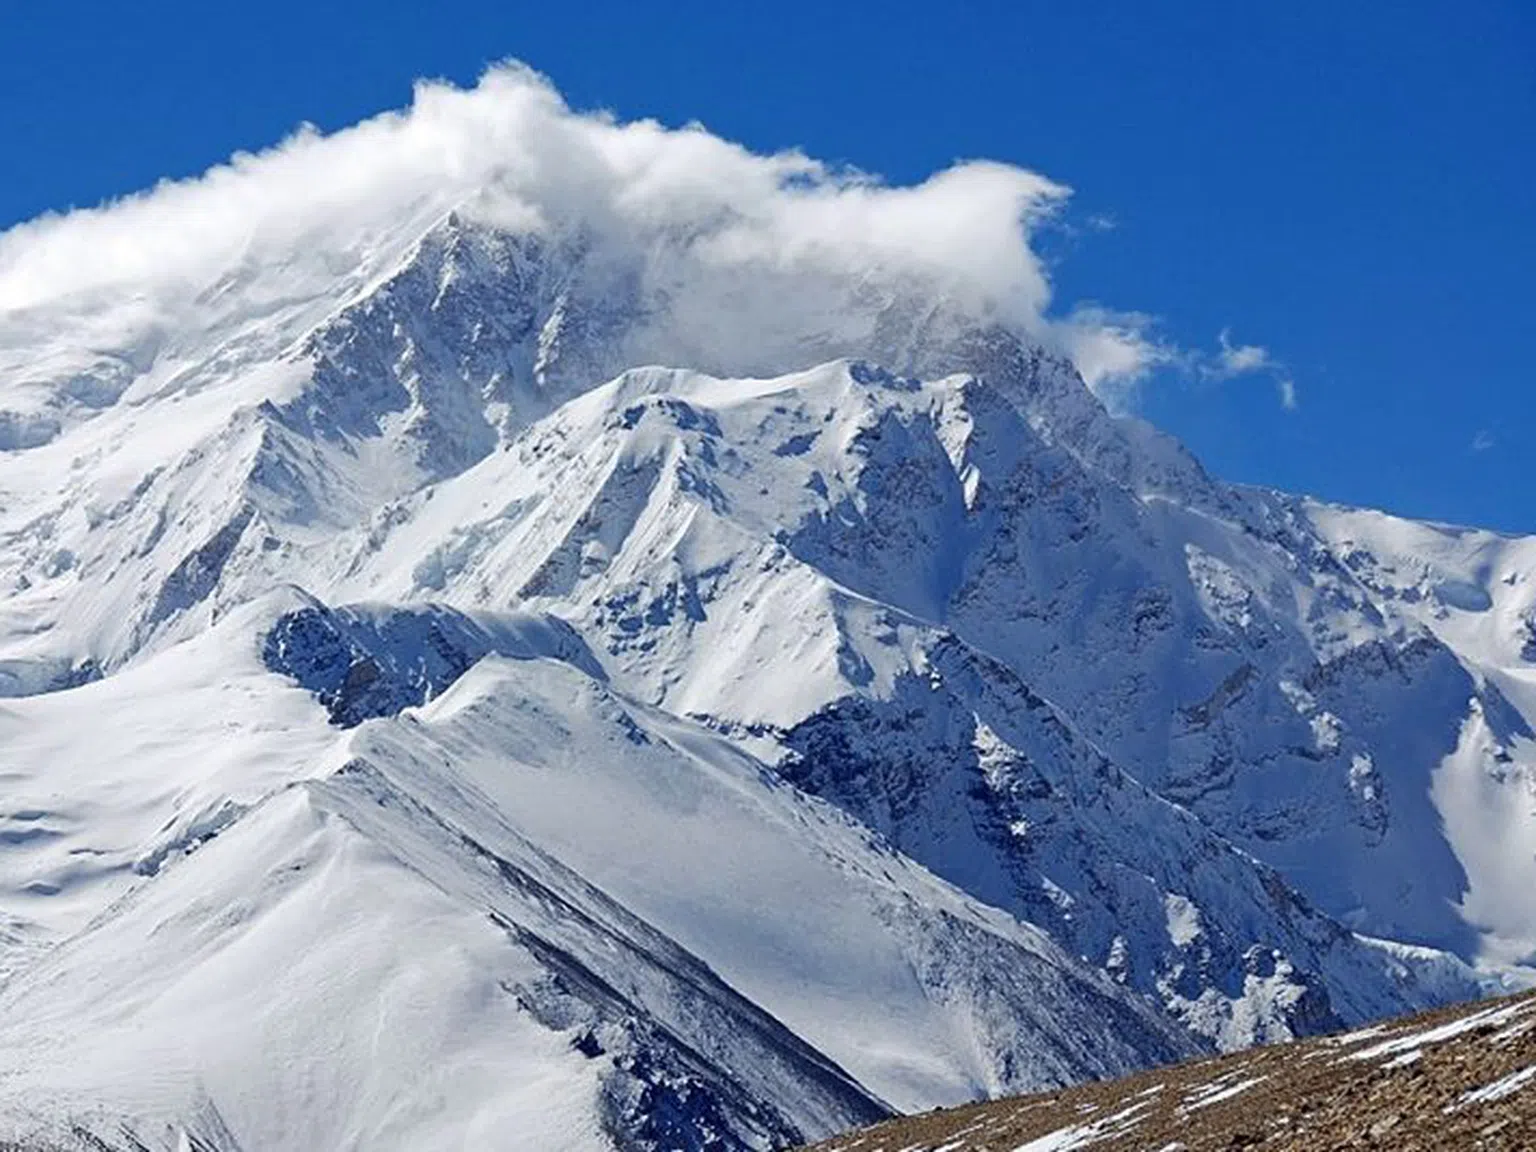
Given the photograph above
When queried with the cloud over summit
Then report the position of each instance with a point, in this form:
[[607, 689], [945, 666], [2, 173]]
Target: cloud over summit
[[787, 245]]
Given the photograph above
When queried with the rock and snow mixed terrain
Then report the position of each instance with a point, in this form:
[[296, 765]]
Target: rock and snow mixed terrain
[[1463, 1077], [426, 721]]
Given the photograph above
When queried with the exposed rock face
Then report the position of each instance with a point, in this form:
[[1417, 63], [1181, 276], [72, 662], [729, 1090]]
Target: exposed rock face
[[365, 662]]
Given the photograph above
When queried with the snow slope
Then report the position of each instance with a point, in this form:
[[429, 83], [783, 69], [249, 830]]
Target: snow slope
[[531, 881], [847, 523]]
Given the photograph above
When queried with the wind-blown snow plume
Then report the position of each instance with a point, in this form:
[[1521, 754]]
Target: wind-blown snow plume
[[747, 252]]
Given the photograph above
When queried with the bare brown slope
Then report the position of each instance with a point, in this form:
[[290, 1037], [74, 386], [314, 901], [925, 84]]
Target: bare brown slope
[[1458, 1078]]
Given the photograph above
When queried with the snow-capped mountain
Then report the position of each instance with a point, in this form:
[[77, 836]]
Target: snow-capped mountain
[[427, 719]]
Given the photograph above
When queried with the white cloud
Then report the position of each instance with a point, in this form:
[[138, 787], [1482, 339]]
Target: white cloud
[[1114, 352], [1483, 441], [1240, 359], [808, 254], [1234, 360]]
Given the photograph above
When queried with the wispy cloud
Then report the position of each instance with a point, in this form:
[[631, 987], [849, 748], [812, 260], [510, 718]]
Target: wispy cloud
[[1483, 441], [1238, 359], [1115, 351], [1233, 360]]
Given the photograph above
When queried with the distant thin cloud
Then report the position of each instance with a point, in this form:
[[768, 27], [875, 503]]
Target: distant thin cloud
[[1240, 359], [1233, 360]]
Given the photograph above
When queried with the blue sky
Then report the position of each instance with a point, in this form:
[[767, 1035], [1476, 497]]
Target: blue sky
[[1351, 186]]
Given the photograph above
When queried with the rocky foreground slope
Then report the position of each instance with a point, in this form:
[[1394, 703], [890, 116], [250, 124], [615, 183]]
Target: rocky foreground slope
[[1459, 1078]]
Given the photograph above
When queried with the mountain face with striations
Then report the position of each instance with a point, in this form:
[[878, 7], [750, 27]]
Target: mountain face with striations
[[642, 669]]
